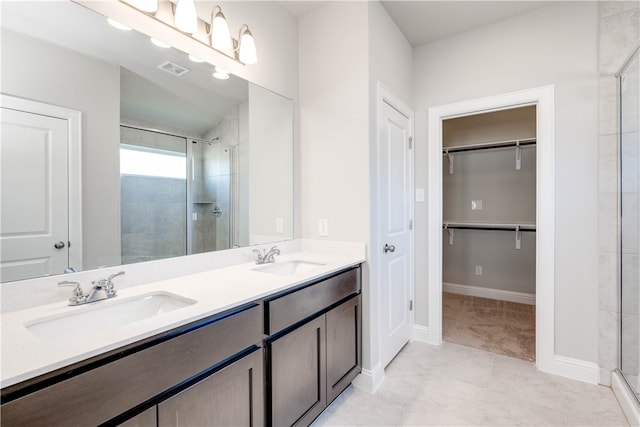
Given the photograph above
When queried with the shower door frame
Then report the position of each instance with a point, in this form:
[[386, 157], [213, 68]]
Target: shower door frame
[[634, 391]]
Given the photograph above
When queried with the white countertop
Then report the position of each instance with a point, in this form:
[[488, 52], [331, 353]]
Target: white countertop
[[25, 356]]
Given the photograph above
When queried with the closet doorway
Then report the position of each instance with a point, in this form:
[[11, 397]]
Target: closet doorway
[[542, 99], [489, 226]]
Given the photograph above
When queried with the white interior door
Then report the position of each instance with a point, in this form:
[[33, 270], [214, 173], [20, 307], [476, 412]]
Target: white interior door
[[396, 267], [34, 226]]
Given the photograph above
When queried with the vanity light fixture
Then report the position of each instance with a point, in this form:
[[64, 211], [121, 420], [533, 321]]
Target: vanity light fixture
[[159, 43], [118, 25], [215, 33], [219, 31], [221, 74], [150, 6], [247, 46], [186, 18]]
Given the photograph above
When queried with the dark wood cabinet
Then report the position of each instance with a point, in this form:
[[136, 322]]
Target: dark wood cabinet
[[230, 397], [298, 380], [317, 353], [344, 346], [120, 384]]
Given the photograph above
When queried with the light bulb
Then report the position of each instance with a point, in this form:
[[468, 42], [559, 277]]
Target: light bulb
[[186, 18], [159, 43], [118, 25], [195, 59], [220, 35], [150, 6], [221, 74], [247, 54]]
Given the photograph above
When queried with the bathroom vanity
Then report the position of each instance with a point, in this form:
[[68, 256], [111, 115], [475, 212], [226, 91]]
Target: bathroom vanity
[[287, 346]]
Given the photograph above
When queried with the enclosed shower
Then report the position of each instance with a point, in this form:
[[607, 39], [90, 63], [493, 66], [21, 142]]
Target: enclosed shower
[[176, 194], [629, 191]]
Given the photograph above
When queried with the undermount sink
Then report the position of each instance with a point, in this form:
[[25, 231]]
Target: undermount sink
[[286, 268], [97, 317]]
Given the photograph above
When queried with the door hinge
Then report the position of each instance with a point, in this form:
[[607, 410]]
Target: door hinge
[[410, 305], [410, 224], [410, 142]]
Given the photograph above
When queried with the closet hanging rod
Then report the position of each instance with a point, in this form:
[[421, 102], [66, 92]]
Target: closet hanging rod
[[488, 145], [489, 227]]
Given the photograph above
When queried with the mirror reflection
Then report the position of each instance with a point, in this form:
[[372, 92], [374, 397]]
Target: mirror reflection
[[173, 161]]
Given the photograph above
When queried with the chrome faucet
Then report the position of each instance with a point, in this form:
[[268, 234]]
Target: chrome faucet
[[265, 257], [102, 289]]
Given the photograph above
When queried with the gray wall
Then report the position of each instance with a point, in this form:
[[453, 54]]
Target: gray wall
[[554, 45], [508, 196], [51, 74]]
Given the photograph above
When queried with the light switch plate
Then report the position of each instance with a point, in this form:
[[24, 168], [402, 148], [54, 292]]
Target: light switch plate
[[323, 228], [280, 225], [419, 194], [476, 205]]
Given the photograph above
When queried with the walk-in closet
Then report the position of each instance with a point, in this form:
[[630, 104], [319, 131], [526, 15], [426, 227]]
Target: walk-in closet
[[489, 231]]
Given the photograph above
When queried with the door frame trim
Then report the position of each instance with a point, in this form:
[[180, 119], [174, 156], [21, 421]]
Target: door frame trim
[[74, 159], [384, 95], [543, 99]]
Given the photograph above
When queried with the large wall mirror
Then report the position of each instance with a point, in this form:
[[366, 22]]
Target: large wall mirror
[[173, 161]]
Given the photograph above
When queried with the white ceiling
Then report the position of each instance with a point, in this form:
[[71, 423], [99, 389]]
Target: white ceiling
[[424, 21]]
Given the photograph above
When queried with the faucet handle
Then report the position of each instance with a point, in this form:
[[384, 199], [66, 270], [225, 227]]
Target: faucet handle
[[113, 276], [78, 295], [108, 284]]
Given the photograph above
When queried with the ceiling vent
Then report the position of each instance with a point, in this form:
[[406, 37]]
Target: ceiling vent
[[174, 69]]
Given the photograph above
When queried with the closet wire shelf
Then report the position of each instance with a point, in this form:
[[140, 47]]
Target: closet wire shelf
[[517, 143], [518, 228], [489, 145]]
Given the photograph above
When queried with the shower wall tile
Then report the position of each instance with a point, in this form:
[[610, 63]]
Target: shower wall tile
[[630, 168], [630, 351], [608, 105], [607, 274], [608, 164], [619, 34], [609, 341], [630, 275], [629, 223], [608, 223]]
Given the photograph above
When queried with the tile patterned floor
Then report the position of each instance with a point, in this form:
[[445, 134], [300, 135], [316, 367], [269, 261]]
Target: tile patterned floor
[[454, 385]]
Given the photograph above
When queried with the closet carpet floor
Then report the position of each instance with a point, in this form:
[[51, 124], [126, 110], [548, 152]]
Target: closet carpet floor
[[501, 327]]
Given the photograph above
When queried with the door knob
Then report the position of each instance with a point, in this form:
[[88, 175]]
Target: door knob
[[58, 245], [389, 248]]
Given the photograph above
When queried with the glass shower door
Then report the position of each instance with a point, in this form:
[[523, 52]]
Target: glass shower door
[[211, 196], [630, 223]]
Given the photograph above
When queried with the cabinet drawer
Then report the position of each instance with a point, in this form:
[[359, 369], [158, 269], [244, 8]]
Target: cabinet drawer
[[285, 310], [95, 396]]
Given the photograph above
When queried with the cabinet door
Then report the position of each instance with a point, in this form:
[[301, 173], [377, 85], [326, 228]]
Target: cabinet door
[[147, 418], [298, 376], [343, 346], [230, 397]]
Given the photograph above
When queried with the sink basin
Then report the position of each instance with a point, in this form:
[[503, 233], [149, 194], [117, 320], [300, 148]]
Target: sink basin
[[286, 268], [98, 317]]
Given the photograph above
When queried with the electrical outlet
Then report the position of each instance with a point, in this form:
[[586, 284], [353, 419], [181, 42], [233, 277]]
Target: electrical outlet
[[280, 225], [323, 228], [478, 270], [476, 205]]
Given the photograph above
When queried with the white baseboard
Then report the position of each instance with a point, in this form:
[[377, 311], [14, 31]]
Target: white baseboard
[[369, 380], [497, 294], [627, 402], [575, 369], [421, 334]]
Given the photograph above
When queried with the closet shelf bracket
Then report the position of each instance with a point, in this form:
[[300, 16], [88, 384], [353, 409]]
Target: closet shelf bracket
[[518, 156], [450, 234], [450, 157], [518, 237]]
